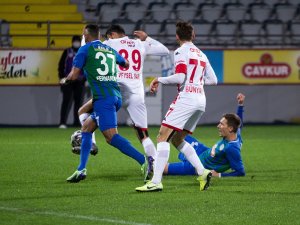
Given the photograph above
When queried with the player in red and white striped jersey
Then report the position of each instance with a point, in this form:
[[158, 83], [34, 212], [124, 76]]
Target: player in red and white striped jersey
[[192, 71]]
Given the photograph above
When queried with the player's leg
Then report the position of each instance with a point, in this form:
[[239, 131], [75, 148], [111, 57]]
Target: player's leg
[[88, 127], [106, 116], [179, 168], [136, 108], [137, 111], [83, 113], [162, 157], [190, 153]]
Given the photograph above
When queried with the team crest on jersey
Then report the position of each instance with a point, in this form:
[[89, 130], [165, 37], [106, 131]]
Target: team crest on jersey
[[221, 147]]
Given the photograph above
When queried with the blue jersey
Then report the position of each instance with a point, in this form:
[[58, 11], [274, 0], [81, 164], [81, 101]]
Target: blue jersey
[[227, 153], [99, 64]]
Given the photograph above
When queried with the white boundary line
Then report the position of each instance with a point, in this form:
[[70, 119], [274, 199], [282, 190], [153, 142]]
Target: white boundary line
[[71, 216]]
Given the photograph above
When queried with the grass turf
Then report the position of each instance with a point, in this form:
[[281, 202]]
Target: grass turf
[[36, 161]]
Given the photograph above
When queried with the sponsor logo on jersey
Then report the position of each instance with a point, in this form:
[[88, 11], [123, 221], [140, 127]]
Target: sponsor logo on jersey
[[266, 68], [130, 43], [195, 50]]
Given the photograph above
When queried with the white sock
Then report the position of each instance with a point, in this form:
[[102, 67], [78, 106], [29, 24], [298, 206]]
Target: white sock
[[82, 118], [149, 147], [190, 154], [162, 157]]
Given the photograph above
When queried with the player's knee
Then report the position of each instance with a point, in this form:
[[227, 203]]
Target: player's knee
[[81, 111], [141, 133]]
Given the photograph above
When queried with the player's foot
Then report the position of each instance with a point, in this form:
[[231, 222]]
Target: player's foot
[[147, 168], [204, 180], [94, 149], [150, 187], [77, 176]]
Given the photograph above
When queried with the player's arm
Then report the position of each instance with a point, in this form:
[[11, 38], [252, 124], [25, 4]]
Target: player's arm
[[240, 109], [120, 60], [210, 77], [177, 78], [78, 64], [152, 46], [236, 163]]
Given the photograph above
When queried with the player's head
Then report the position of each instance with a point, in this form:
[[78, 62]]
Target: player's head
[[91, 32], [184, 31], [229, 124], [115, 31], [76, 41]]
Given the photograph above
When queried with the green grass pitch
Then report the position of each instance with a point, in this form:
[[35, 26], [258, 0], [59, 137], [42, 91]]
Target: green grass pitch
[[35, 163]]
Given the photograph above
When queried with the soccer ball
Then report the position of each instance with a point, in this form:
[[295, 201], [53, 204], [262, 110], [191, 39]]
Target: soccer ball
[[76, 138], [76, 144]]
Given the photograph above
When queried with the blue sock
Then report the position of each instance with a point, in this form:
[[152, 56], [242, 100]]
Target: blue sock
[[126, 148], [86, 145]]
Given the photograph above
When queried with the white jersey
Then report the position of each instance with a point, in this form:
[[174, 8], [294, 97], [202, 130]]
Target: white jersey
[[134, 50], [190, 103], [191, 61]]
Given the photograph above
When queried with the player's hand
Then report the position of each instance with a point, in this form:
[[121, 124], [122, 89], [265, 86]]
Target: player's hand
[[64, 81], [154, 85], [140, 35], [240, 98], [215, 174]]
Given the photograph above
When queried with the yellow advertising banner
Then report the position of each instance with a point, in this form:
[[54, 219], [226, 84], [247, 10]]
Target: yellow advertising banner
[[29, 67], [262, 66]]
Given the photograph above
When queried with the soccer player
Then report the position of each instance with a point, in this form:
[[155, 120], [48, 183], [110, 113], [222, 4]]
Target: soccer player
[[224, 155], [99, 64], [192, 70], [130, 81]]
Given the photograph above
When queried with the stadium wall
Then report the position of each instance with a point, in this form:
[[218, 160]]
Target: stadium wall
[[30, 95]]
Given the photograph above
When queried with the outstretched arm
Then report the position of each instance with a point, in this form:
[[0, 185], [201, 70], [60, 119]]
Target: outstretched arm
[[240, 99], [153, 47]]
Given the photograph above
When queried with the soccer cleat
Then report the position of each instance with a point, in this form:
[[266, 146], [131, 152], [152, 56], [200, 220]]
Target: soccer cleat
[[204, 180], [150, 187], [77, 176], [147, 168]]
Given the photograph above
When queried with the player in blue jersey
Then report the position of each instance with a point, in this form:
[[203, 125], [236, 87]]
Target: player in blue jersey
[[98, 61], [224, 155]]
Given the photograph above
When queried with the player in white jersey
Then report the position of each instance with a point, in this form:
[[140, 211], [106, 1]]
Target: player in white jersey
[[192, 71], [131, 83]]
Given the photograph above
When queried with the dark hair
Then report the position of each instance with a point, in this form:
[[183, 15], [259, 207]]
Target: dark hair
[[93, 30], [233, 121], [184, 30], [76, 38], [115, 28]]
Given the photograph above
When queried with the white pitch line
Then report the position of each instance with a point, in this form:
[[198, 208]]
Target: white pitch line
[[71, 216]]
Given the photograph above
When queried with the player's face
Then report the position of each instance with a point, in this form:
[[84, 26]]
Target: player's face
[[224, 129]]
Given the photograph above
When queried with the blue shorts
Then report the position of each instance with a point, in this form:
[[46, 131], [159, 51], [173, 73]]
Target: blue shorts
[[105, 112]]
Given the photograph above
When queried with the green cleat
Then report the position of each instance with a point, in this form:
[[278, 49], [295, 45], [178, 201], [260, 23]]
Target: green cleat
[[150, 187], [77, 176], [204, 180]]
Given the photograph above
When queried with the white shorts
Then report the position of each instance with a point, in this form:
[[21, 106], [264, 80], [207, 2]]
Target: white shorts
[[182, 116], [134, 103]]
